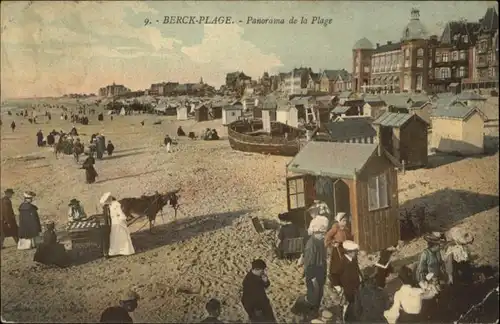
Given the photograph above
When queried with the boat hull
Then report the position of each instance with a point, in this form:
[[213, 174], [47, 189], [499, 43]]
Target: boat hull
[[264, 144]]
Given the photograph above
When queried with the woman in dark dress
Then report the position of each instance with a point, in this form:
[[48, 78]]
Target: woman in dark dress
[[29, 222], [90, 172], [50, 252]]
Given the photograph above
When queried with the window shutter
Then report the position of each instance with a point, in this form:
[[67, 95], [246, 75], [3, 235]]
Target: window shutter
[[372, 193]]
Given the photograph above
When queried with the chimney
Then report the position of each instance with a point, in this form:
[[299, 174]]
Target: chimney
[[378, 45], [389, 42]]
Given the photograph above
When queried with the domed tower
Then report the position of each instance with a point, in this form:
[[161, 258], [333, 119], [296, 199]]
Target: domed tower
[[361, 64], [415, 60]]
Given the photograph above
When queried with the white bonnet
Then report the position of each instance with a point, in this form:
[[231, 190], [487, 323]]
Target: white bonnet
[[350, 245], [340, 216]]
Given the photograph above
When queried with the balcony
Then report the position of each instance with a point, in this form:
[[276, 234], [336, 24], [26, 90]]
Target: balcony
[[482, 64]]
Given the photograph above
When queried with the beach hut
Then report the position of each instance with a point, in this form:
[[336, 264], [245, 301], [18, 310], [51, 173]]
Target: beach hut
[[358, 179], [374, 106], [182, 112], [231, 113], [201, 113], [458, 128], [269, 108], [345, 96], [355, 129], [404, 137], [345, 111], [287, 114], [257, 107]]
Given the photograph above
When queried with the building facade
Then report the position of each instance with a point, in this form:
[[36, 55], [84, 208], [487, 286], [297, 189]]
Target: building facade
[[485, 51], [386, 68], [113, 90]]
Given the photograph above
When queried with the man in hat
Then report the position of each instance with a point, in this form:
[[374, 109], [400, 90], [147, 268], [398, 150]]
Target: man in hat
[[120, 242], [334, 239], [120, 314], [168, 142], [254, 299], [29, 222], [88, 166], [7, 218], [213, 308], [349, 277], [76, 211]]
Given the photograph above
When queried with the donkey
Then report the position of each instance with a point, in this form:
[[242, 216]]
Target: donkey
[[148, 206]]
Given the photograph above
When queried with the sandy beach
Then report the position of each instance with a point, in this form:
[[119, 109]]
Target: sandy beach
[[207, 250]]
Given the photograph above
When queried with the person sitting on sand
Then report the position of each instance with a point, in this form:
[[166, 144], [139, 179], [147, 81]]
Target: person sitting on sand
[[110, 148], [254, 299], [120, 314], [214, 135], [213, 308], [76, 211], [180, 131], [51, 252]]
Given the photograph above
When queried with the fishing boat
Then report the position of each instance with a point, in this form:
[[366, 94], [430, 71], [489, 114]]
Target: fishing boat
[[249, 136]]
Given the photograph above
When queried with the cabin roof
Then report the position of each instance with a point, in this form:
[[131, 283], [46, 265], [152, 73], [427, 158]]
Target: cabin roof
[[345, 94], [456, 110], [418, 104], [351, 128], [341, 109], [390, 119], [332, 159], [232, 107], [470, 96]]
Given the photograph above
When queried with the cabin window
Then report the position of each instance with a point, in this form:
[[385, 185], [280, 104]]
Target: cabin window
[[378, 192], [296, 193], [445, 57]]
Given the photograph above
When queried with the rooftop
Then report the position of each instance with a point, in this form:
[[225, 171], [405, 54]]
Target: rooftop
[[362, 44], [332, 159], [414, 29], [389, 119], [350, 128], [457, 110]]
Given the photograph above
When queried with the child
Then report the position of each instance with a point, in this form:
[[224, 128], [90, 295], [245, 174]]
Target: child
[[110, 148]]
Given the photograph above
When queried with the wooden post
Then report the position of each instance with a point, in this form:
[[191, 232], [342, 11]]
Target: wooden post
[[403, 163]]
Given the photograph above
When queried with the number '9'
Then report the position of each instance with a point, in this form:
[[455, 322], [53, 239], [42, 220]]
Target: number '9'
[[147, 22]]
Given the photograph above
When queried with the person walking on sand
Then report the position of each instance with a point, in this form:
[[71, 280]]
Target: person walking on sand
[[110, 148], [39, 138], [90, 172], [121, 314], [213, 308], [13, 125], [120, 242], [8, 218], [29, 222], [168, 143], [254, 299]]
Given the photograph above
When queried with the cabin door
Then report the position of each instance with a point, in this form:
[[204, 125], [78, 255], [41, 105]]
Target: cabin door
[[300, 195], [342, 201], [324, 192]]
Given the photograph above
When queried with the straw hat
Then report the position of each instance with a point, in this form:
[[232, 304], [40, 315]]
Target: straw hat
[[105, 198], [350, 245], [29, 194], [435, 238]]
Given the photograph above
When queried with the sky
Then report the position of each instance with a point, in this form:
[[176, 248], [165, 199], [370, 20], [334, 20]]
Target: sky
[[53, 48]]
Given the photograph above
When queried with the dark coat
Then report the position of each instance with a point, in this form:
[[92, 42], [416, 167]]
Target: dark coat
[[29, 221], [349, 277], [115, 314], [50, 252], [255, 298], [8, 219], [110, 148]]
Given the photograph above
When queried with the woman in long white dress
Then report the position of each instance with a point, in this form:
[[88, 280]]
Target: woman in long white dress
[[120, 242]]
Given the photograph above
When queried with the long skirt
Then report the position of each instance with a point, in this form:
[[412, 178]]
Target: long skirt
[[90, 174], [315, 291], [335, 266]]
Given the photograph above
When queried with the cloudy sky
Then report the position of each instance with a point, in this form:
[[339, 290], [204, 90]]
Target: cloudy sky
[[52, 48]]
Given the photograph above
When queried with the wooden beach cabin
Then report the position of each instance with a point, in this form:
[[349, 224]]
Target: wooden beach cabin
[[269, 110], [231, 113], [403, 136], [182, 112], [357, 179], [201, 113]]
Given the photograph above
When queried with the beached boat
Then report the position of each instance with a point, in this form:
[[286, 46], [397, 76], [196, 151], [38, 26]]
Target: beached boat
[[249, 136]]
